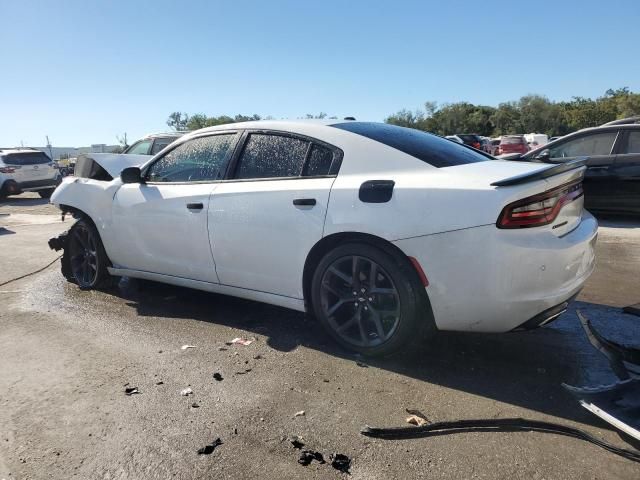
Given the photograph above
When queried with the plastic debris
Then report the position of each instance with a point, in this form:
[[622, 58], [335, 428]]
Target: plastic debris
[[159, 383], [246, 370], [242, 341], [186, 392], [299, 414], [308, 456], [208, 449], [416, 417], [217, 377], [131, 390], [340, 462], [195, 405], [184, 347]]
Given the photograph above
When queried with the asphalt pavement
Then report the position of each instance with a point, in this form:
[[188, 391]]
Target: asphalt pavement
[[68, 357]]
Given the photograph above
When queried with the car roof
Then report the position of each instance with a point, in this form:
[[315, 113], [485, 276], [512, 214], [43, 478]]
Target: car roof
[[284, 125], [14, 150], [177, 134]]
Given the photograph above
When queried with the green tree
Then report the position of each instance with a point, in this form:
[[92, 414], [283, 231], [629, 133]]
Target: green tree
[[178, 121]]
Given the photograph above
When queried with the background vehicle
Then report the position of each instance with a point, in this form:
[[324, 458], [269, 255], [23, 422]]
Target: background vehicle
[[612, 179], [485, 144], [535, 140], [152, 144], [27, 170], [471, 139], [512, 144], [454, 138], [330, 217], [495, 144]]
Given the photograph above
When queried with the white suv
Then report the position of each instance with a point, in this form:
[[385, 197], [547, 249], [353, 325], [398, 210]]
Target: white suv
[[27, 170]]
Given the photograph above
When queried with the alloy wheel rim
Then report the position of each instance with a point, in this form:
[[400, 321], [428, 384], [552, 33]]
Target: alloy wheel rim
[[84, 256], [360, 301]]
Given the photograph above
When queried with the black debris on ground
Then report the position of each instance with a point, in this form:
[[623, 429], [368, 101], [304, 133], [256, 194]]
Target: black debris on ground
[[131, 390], [361, 364], [308, 456], [159, 383], [246, 370], [296, 442], [340, 462], [217, 377], [208, 449]]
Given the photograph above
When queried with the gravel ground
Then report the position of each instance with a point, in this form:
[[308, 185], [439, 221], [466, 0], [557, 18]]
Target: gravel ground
[[68, 356]]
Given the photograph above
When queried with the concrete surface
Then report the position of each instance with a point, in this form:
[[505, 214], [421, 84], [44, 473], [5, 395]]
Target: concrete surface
[[68, 354]]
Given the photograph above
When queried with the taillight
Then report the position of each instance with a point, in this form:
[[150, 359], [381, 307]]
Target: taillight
[[7, 169], [540, 209]]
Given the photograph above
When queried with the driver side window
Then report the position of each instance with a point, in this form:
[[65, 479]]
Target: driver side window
[[596, 144], [197, 160]]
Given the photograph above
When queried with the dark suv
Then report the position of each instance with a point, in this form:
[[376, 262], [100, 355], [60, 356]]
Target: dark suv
[[612, 179]]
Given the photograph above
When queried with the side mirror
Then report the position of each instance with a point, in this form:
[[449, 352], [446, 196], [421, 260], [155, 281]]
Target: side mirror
[[544, 155], [131, 175]]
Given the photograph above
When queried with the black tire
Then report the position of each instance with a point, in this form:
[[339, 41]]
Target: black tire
[[85, 261], [411, 318], [46, 193]]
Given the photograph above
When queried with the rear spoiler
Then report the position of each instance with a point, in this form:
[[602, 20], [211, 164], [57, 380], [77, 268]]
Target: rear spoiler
[[542, 174]]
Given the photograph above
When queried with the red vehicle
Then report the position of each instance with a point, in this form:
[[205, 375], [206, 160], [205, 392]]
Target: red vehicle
[[513, 144]]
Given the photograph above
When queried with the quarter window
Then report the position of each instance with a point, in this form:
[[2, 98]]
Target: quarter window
[[198, 160], [633, 142], [596, 144], [319, 162], [272, 156]]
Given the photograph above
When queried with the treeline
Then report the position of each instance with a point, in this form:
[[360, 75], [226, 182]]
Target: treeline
[[530, 114]]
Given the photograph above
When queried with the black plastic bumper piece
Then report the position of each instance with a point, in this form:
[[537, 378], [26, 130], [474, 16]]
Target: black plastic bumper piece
[[545, 317]]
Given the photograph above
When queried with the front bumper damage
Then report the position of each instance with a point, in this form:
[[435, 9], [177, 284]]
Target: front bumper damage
[[617, 404]]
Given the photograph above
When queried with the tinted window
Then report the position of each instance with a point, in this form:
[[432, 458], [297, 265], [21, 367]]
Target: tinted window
[[633, 142], [595, 144], [269, 156], [26, 158], [160, 143], [139, 148], [197, 160], [436, 151], [319, 162]]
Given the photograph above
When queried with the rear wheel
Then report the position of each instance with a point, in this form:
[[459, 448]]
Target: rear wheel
[[368, 300], [84, 260], [46, 193]]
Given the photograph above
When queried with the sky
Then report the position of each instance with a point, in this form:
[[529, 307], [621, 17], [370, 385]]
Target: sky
[[83, 72]]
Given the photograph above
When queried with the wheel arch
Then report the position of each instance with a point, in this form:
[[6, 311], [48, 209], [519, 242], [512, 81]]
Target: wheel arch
[[326, 244]]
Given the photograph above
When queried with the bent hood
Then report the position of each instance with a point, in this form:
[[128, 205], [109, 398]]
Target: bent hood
[[113, 163]]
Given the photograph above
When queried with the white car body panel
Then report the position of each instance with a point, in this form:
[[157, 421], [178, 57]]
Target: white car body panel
[[261, 240], [250, 241], [114, 163]]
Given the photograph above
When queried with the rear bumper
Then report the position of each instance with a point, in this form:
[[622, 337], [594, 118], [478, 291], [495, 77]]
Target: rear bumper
[[489, 280]]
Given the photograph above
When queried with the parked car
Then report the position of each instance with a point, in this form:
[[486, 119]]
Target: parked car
[[471, 139], [512, 144], [485, 144], [494, 146], [454, 138], [535, 140], [152, 144], [612, 180], [27, 170], [384, 233]]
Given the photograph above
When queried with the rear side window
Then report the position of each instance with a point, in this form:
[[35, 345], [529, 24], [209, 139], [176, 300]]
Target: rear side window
[[198, 160], [25, 158], [319, 163], [633, 142], [436, 151], [272, 156]]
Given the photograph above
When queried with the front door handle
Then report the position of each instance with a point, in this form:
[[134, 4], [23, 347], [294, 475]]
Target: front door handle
[[195, 206], [304, 202]]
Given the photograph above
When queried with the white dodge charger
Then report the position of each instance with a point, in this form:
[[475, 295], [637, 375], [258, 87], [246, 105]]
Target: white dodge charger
[[383, 233]]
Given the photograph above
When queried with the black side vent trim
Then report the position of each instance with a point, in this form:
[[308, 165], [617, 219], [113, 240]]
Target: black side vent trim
[[376, 191]]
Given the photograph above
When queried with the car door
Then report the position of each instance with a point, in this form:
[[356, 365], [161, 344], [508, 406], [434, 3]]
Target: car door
[[626, 170], [161, 225], [599, 179], [265, 219]]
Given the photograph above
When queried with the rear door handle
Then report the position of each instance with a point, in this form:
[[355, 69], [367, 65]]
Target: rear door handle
[[306, 202], [195, 206]]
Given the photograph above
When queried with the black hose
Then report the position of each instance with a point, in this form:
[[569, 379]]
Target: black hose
[[495, 425]]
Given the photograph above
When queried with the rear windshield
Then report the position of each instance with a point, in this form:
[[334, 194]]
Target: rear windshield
[[431, 149], [25, 158], [511, 140]]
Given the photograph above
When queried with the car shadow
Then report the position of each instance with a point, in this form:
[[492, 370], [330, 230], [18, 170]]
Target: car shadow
[[521, 368], [23, 201]]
